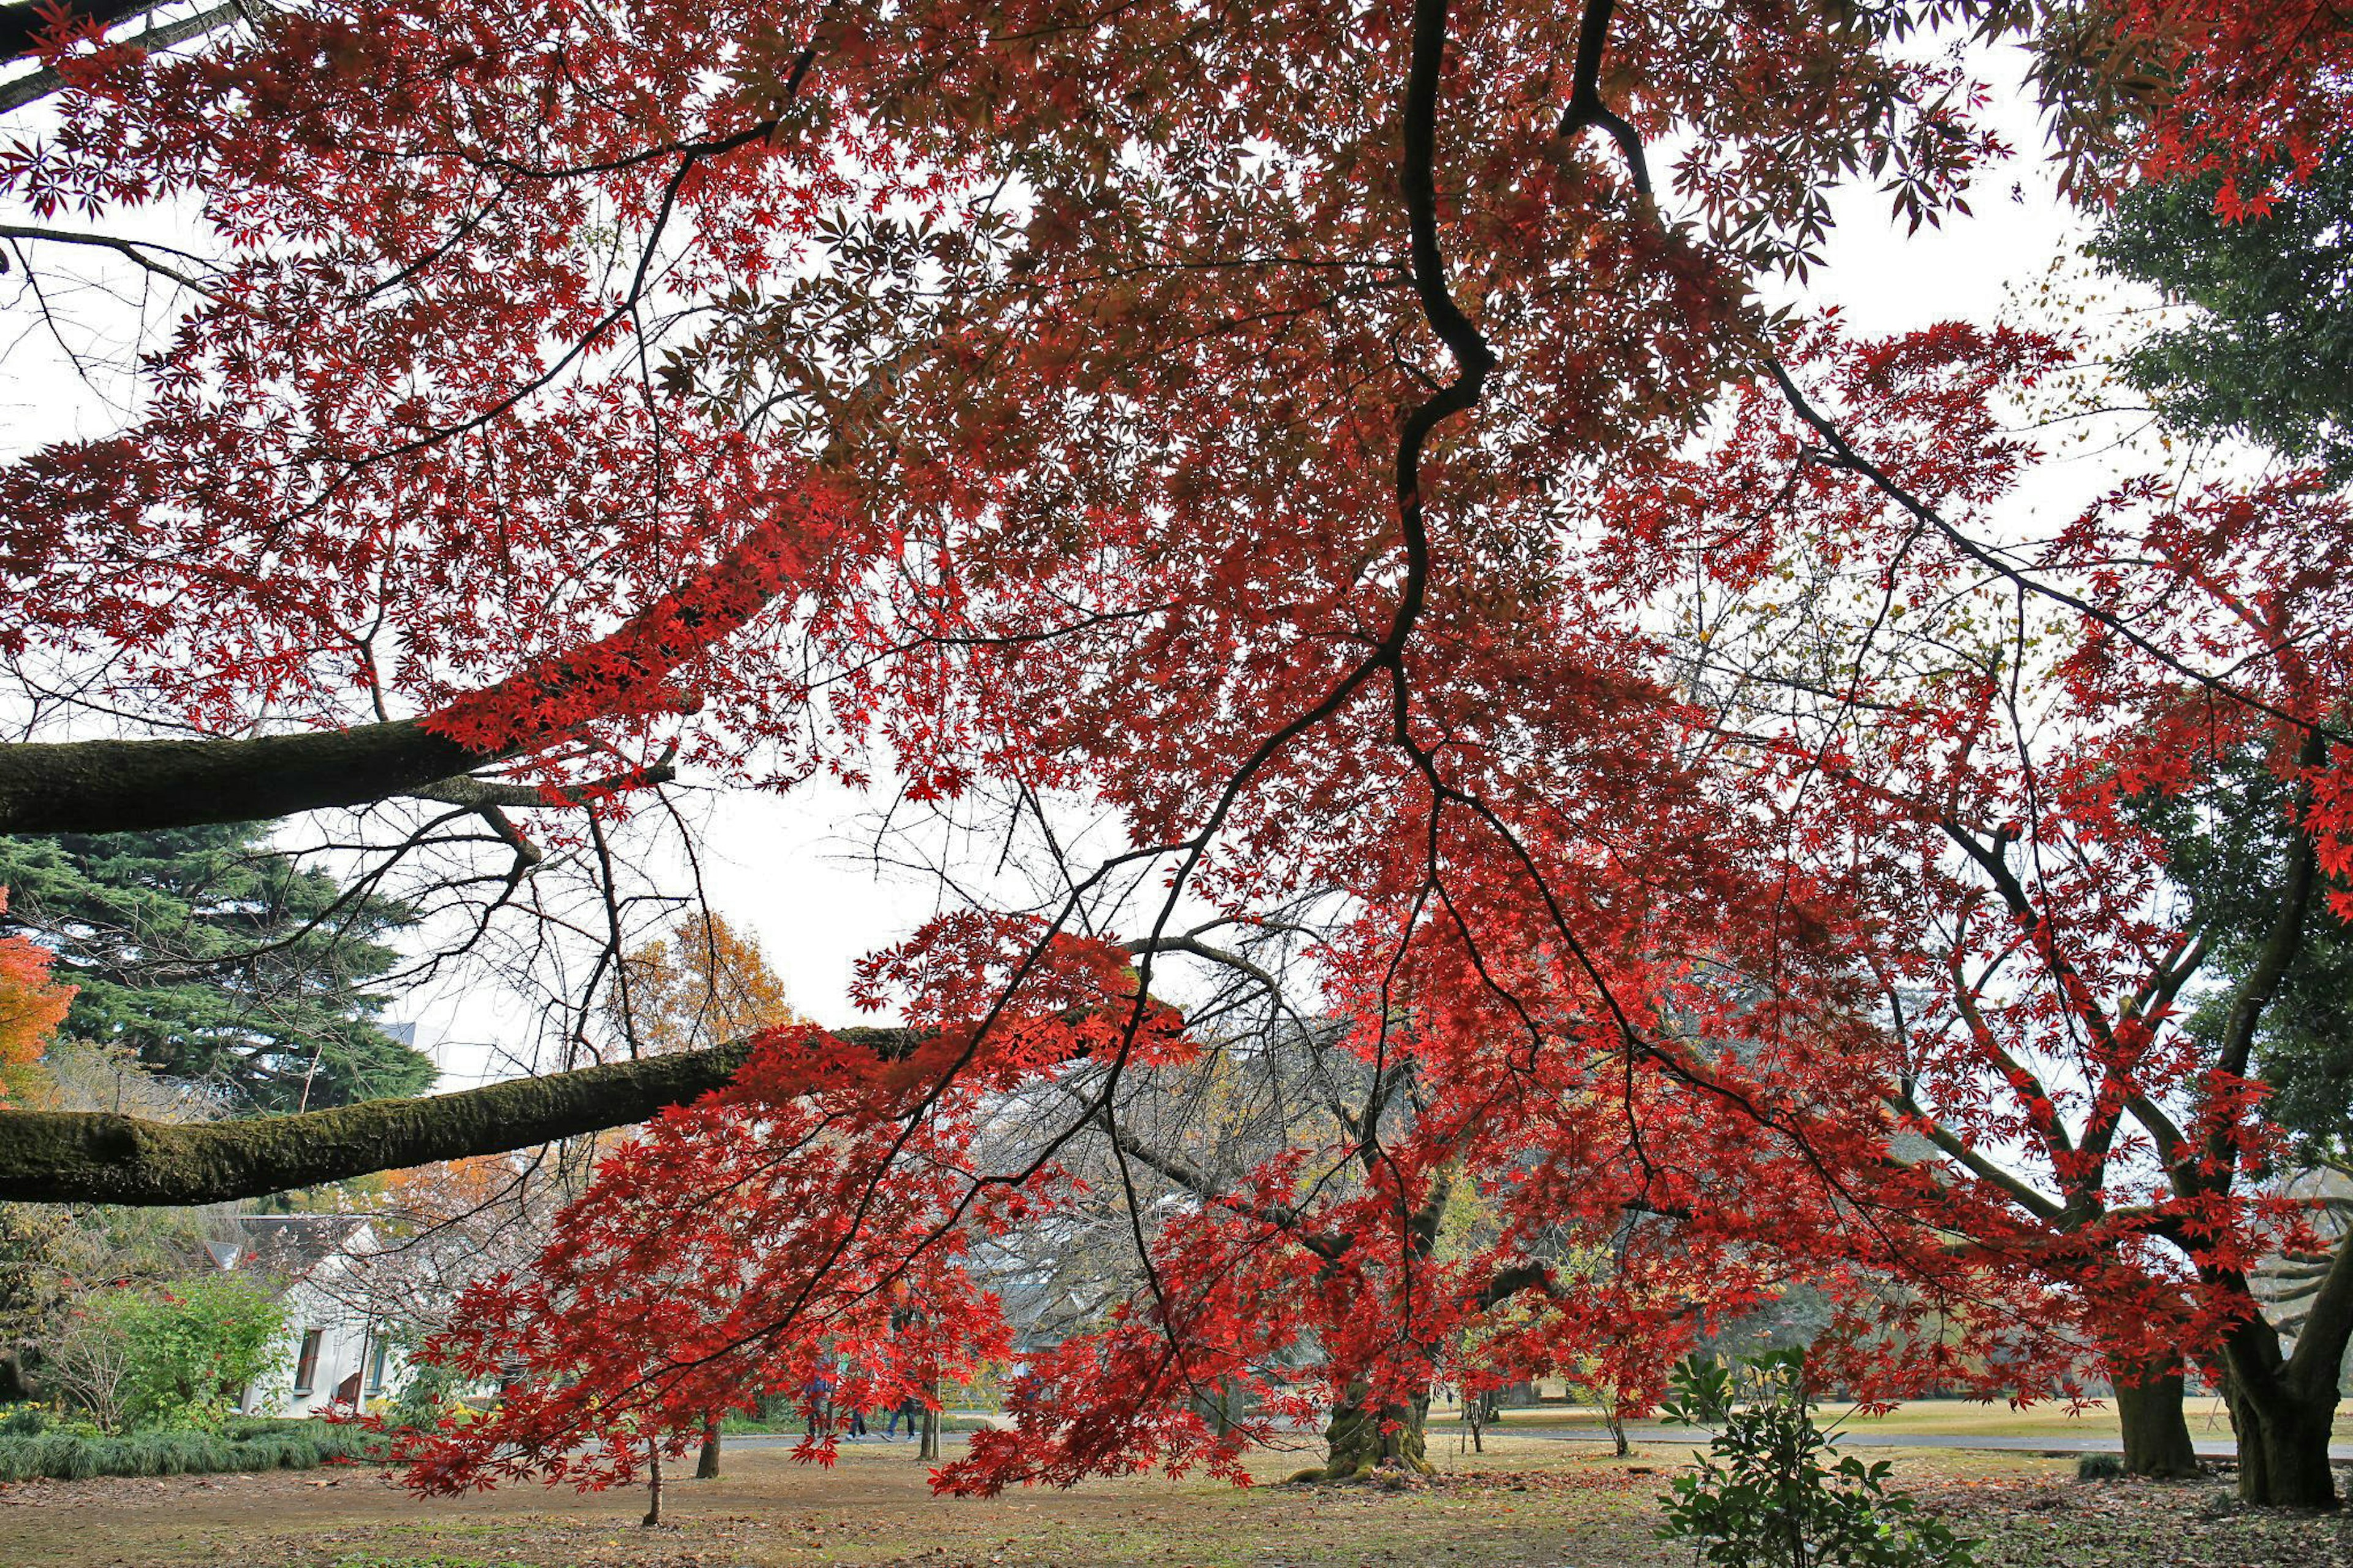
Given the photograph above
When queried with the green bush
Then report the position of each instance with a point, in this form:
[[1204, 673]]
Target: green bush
[[2099, 1467], [262, 1446], [172, 1356], [196, 1344], [1766, 1493]]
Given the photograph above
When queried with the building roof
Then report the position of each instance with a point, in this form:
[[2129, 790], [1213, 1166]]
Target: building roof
[[291, 1245]]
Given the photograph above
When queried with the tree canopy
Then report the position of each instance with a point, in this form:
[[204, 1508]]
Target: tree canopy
[[2266, 352], [1285, 509]]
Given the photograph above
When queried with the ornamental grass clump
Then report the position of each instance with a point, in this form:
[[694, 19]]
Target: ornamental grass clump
[[259, 1446]]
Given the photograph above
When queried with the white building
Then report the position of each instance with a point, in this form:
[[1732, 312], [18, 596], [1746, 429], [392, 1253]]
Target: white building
[[335, 1352]]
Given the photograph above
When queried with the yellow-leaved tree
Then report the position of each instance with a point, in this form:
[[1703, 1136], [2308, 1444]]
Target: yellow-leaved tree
[[704, 985]]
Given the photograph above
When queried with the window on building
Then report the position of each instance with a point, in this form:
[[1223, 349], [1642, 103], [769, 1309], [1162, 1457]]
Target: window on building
[[306, 1364], [375, 1367]]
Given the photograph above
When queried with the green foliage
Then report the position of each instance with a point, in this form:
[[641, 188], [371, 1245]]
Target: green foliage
[[426, 1393], [2268, 355], [217, 960], [188, 1348], [1769, 1492], [281, 1446], [2227, 845], [2100, 1468]]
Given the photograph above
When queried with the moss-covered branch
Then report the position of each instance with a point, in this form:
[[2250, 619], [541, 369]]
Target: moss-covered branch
[[134, 786], [49, 1156]]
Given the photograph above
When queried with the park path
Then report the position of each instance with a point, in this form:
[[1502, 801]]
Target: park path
[[2207, 1448]]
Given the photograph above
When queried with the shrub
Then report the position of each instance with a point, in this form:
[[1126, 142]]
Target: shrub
[[2099, 1467], [1768, 1494], [176, 1356], [196, 1344]]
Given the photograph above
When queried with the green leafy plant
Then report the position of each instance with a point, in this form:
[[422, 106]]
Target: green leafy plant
[[196, 1344], [171, 1357], [2099, 1467], [426, 1393], [1771, 1492]]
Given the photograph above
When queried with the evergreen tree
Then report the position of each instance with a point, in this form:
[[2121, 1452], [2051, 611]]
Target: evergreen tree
[[2267, 353], [2229, 844], [217, 960]]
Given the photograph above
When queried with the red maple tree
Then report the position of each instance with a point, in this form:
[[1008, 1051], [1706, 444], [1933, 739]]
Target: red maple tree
[[1299, 436]]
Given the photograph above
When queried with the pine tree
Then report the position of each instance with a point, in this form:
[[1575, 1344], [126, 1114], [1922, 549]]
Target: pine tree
[[217, 960]]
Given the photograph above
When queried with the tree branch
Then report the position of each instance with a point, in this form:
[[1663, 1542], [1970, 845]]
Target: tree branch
[[1959, 1149], [126, 787], [48, 1156], [116, 786], [22, 26], [2327, 1326], [1585, 106], [38, 85], [478, 794]]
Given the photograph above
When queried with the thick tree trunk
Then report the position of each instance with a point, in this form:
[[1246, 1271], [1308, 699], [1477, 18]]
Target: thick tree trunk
[[2156, 1432], [2282, 1405], [653, 1486], [2283, 1445], [706, 1464], [1355, 1444]]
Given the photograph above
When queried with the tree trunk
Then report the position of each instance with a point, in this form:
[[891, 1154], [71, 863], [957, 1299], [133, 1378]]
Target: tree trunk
[[653, 1487], [931, 1447], [706, 1464], [2283, 1445], [1355, 1445], [1216, 1408], [2155, 1433]]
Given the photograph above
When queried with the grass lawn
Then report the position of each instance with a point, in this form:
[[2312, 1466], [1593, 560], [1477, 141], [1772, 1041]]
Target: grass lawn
[[1525, 1503]]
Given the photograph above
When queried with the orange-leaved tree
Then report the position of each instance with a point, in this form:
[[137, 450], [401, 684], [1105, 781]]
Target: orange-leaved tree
[[33, 1003]]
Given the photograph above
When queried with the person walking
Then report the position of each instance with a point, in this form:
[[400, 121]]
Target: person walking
[[820, 1391]]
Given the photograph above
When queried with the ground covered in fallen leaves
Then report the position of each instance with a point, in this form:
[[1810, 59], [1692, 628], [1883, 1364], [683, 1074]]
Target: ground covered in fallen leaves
[[1527, 1503]]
